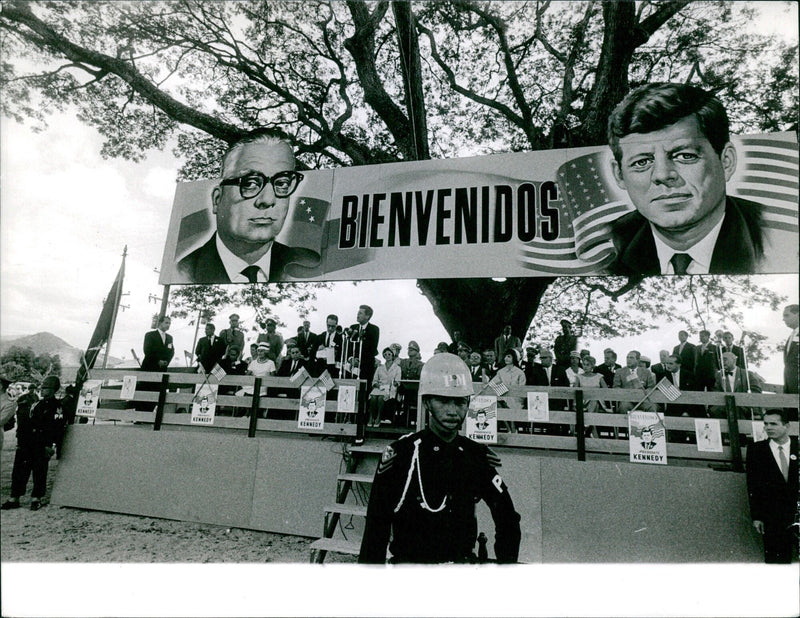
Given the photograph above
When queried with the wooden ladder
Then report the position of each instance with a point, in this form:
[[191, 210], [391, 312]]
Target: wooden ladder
[[333, 512]]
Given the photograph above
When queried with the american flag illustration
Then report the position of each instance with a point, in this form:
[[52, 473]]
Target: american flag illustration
[[490, 411], [657, 430], [767, 173]]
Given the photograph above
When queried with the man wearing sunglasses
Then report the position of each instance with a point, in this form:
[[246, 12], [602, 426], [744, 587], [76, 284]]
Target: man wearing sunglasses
[[250, 203]]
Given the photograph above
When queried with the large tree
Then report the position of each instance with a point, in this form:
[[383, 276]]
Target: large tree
[[367, 82]]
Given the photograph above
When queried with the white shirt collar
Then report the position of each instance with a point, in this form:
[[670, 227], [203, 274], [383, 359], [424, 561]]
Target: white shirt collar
[[700, 253], [234, 264]]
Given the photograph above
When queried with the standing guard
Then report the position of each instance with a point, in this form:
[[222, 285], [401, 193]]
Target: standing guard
[[39, 429], [427, 483]]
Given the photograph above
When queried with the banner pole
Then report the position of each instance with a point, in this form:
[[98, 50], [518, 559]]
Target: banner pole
[[117, 301]]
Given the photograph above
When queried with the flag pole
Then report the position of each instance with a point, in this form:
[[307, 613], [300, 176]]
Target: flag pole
[[116, 306]]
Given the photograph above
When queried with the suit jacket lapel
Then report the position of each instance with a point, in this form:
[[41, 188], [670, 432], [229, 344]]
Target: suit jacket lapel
[[209, 267], [734, 252], [640, 255]]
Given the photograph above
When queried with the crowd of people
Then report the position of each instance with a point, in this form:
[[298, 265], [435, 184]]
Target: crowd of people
[[714, 363]]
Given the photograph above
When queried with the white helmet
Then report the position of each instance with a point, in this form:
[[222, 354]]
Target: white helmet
[[445, 375]]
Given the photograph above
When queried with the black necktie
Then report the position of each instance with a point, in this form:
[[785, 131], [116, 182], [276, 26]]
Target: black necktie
[[251, 272], [680, 262]]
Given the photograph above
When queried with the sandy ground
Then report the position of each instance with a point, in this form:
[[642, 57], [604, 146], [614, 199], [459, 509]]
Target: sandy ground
[[62, 534]]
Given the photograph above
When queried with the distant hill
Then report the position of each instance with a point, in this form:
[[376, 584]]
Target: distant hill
[[48, 343]]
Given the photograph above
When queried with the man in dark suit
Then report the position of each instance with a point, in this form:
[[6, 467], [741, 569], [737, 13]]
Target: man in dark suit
[[609, 367], [684, 381], [506, 341], [733, 379], [367, 336], [706, 362], [475, 367], [250, 204], [158, 348], [772, 486], [660, 369], [293, 363], [209, 348], [685, 350], [791, 349], [306, 340], [729, 346], [673, 156], [158, 352], [290, 366], [328, 347]]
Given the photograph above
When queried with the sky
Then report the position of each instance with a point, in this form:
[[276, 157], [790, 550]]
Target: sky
[[66, 214]]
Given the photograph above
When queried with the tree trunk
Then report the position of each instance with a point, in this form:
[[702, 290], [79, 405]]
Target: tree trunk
[[408, 43], [480, 308]]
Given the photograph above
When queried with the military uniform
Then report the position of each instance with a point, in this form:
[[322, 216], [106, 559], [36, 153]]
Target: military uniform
[[39, 426], [424, 495]]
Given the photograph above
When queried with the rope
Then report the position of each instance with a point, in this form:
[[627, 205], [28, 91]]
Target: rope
[[415, 464]]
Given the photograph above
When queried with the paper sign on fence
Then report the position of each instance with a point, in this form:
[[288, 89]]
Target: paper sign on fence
[[481, 424], [709, 436], [204, 405], [128, 391], [312, 407], [647, 437], [538, 407], [88, 398], [346, 398]]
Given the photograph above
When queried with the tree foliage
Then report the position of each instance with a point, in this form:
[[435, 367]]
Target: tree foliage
[[23, 365], [206, 301], [368, 82]]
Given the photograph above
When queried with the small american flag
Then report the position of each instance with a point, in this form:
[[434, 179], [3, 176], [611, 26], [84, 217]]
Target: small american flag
[[498, 387], [218, 372], [668, 388], [327, 380], [300, 375]]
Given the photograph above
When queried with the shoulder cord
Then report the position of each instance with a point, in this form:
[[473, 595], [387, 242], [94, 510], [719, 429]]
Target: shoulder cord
[[415, 464]]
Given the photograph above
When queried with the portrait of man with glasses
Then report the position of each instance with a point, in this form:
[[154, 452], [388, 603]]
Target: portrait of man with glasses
[[250, 204]]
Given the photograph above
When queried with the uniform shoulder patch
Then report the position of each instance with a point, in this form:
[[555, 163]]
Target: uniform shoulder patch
[[387, 459]]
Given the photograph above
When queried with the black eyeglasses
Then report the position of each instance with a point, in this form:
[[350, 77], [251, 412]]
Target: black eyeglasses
[[252, 183]]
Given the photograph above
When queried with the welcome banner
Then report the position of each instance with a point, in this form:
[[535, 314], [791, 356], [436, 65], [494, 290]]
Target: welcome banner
[[524, 214]]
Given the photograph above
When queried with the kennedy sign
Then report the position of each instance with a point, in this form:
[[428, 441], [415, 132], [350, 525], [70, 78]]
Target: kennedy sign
[[556, 212]]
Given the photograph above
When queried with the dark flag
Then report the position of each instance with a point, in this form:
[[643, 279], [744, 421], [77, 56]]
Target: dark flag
[[105, 326]]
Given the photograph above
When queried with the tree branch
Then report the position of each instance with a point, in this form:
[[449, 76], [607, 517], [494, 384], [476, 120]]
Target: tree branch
[[20, 13]]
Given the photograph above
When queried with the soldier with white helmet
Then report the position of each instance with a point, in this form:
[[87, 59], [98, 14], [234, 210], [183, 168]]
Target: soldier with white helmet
[[427, 483]]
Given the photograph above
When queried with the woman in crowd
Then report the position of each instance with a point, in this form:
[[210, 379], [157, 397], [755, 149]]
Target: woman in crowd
[[589, 379], [510, 374], [384, 387], [574, 368], [261, 366]]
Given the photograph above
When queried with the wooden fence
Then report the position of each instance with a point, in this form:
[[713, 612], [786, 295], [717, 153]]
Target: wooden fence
[[733, 409], [173, 392], [171, 395]]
